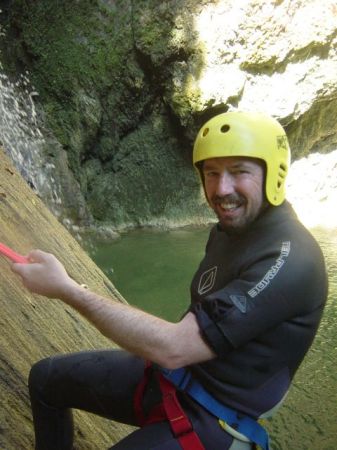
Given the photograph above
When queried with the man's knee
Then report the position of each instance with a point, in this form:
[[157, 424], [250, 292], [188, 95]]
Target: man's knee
[[38, 375]]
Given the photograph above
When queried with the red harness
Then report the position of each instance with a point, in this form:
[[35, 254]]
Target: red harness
[[169, 409]]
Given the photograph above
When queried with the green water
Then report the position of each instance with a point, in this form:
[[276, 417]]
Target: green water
[[153, 271]]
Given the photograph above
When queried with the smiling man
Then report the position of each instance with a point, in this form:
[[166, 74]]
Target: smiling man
[[256, 302], [234, 189]]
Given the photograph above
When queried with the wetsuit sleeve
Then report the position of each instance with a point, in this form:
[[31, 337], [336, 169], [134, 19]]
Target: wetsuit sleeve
[[283, 286]]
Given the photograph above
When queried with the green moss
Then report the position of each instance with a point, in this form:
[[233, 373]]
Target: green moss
[[67, 45], [70, 47], [187, 100], [143, 177]]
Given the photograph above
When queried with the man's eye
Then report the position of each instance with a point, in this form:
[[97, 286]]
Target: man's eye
[[210, 174], [239, 171]]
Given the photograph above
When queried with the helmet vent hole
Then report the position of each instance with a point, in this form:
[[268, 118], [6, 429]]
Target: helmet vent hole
[[283, 167], [225, 128], [205, 132]]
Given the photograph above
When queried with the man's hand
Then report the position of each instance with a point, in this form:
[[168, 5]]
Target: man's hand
[[44, 275]]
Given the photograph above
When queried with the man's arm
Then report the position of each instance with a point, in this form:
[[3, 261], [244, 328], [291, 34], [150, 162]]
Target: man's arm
[[171, 345]]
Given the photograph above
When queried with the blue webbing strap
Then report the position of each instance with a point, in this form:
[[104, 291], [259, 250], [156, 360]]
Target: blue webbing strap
[[245, 425]]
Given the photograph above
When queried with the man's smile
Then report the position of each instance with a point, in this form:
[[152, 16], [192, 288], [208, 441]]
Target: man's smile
[[229, 204]]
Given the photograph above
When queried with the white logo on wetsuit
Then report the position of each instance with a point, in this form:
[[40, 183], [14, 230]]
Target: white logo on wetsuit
[[207, 280], [272, 272], [239, 301]]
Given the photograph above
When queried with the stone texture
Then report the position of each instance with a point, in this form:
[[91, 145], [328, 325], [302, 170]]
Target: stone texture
[[40, 158], [33, 327]]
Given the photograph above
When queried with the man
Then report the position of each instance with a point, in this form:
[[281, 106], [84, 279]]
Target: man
[[256, 302]]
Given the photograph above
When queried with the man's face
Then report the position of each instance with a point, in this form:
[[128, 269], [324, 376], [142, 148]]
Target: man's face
[[234, 189]]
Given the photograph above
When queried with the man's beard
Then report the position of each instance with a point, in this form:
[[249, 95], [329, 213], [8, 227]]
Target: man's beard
[[240, 224]]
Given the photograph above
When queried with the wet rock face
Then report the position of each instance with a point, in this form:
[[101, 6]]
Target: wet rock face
[[33, 327], [312, 189], [40, 158], [125, 85]]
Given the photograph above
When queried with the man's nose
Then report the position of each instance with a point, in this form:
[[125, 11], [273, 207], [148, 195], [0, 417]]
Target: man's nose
[[225, 184]]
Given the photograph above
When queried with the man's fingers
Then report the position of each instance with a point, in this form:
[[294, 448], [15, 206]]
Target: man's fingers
[[16, 267], [37, 256]]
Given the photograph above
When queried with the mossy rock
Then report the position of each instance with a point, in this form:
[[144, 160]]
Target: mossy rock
[[149, 177]]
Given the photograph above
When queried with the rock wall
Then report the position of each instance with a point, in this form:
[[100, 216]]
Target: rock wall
[[312, 190], [33, 327], [39, 157], [124, 85]]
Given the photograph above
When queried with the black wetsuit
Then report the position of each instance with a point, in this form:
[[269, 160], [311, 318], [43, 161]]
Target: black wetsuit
[[258, 298]]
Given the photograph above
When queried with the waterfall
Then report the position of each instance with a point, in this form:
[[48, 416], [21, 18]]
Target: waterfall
[[22, 139]]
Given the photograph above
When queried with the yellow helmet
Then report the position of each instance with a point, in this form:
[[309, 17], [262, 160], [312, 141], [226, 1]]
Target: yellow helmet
[[252, 135]]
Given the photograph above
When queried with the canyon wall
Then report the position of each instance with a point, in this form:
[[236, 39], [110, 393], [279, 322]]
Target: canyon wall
[[123, 86]]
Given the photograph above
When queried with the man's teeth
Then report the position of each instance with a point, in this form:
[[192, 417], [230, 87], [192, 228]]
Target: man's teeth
[[228, 206]]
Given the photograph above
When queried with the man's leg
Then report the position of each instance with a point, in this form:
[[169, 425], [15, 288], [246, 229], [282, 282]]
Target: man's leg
[[104, 383], [101, 382]]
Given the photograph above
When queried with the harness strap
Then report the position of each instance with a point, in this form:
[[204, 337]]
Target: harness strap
[[169, 409], [157, 412], [179, 422], [245, 425]]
